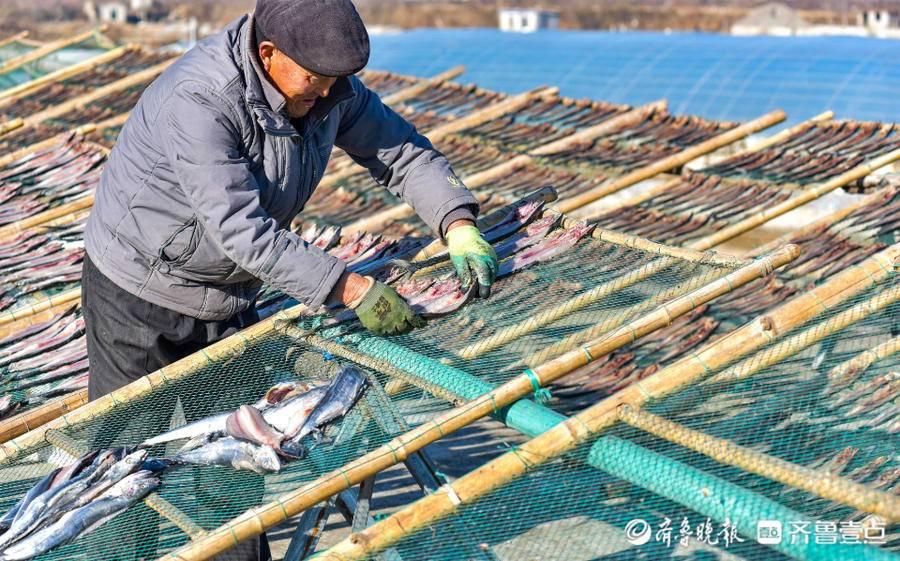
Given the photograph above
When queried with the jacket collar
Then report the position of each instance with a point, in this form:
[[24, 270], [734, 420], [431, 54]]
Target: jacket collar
[[265, 99]]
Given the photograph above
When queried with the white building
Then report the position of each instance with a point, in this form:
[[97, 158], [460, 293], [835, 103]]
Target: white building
[[115, 12], [770, 19], [527, 20]]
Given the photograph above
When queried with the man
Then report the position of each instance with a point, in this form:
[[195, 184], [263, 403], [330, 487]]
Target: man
[[219, 155]]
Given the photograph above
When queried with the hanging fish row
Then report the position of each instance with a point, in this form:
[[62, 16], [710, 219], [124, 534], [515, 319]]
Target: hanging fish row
[[111, 105], [816, 153], [82, 83], [48, 178], [43, 361], [542, 121], [47, 262]]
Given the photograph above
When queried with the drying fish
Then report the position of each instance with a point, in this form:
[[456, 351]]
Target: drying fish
[[215, 424], [247, 423], [121, 469], [29, 515], [231, 452], [342, 394], [547, 249], [35, 491], [85, 519], [514, 221]]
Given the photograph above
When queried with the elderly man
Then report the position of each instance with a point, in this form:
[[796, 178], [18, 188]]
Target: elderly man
[[219, 155]]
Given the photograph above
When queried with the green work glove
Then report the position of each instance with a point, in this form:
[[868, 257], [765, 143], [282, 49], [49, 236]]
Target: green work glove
[[383, 312], [472, 256]]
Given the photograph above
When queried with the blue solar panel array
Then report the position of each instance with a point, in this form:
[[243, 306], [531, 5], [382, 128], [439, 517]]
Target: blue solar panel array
[[716, 76]]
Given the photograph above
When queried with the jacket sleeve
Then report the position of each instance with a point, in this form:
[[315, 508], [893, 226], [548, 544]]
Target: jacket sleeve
[[202, 144], [401, 159]]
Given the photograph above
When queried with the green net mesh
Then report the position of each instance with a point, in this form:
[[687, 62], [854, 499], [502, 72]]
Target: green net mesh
[[616, 496]]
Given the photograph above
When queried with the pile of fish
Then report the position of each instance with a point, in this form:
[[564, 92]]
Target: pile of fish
[[33, 262], [49, 177], [256, 437], [43, 361], [75, 500]]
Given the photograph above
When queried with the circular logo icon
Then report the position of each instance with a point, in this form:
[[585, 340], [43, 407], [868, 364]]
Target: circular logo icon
[[638, 531], [453, 181]]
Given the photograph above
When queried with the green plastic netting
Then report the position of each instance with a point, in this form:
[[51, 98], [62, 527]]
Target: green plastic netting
[[805, 408]]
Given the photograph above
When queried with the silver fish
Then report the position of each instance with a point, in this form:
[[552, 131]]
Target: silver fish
[[29, 516], [35, 491], [235, 453], [215, 424], [344, 390], [85, 519], [288, 416], [119, 471]]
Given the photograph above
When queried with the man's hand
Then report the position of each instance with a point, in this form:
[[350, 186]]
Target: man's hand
[[380, 309], [471, 256]]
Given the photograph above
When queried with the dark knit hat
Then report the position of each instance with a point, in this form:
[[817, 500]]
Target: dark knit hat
[[325, 36]]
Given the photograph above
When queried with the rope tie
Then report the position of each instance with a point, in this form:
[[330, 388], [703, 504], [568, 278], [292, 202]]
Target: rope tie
[[327, 356], [525, 462], [587, 354], [440, 475], [451, 494], [541, 395]]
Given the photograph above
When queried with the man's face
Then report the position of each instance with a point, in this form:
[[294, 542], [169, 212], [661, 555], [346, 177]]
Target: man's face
[[299, 86]]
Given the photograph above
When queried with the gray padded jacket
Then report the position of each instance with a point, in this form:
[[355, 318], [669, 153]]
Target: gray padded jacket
[[194, 205]]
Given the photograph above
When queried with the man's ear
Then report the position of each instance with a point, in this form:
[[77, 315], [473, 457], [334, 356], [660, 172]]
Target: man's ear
[[266, 51]]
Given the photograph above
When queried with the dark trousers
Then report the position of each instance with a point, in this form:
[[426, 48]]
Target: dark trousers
[[128, 338]]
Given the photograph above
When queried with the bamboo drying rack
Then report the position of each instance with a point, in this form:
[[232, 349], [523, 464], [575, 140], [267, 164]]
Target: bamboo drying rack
[[257, 520], [622, 405], [46, 49], [20, 91]]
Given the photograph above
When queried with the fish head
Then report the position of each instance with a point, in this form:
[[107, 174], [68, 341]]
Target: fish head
[[134, 486], [266, 458], [136, 458]]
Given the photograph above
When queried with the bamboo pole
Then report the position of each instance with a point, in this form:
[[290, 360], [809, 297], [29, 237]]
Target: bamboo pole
[[800, 199], [671, 162], [796, 343], [865, 359], [13, 38], [473, 119], [66, 297], [45, 49], [378, 221], [584, 426], [817, 482], [599, 292], [422, 86], [44, 413], [15, 93], [11, 125], [258, 520], [135, 79], [787, 133]]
